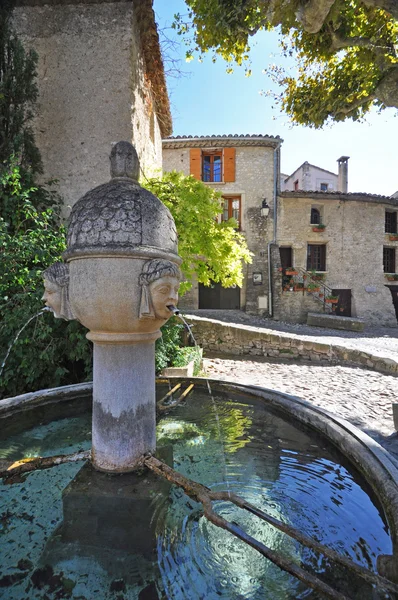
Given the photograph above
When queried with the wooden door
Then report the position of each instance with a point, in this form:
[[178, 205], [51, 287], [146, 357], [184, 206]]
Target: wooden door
[[343, 307], [394, 293], [217, 297], [286, 257]]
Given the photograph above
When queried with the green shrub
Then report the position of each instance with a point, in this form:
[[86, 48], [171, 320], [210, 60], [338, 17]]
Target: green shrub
[[186, 355], [49, 352], [168, 347]]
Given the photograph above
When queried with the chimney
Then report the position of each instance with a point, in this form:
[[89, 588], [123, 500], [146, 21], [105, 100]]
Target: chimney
[[342, 183]]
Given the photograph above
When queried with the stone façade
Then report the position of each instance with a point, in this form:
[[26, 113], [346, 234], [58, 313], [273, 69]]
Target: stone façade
[[354, 234], [100, 79]]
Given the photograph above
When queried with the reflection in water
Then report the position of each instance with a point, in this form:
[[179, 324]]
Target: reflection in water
[[81, 534]]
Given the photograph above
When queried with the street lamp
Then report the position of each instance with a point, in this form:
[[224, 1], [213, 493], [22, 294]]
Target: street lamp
[[264, 208]]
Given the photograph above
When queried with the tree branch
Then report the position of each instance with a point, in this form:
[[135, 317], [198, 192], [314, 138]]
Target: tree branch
[[390, 6], [312, 14], [12, 471], [340, 42]]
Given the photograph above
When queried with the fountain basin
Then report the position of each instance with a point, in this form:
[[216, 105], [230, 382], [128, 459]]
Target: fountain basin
[[267, 459]]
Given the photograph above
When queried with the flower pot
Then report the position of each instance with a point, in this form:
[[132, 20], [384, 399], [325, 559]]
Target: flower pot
[[393, 237], [391, 278], [299, 289], [291, 272], [331, 300], [313, 290], [319, 229]]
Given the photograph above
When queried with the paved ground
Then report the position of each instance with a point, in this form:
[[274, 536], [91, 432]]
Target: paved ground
[[382, 341], [362, 397]]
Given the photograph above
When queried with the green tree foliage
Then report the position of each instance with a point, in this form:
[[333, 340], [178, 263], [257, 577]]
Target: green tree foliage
[[212, 251], [18, 94], [346, 50], [49, 352]]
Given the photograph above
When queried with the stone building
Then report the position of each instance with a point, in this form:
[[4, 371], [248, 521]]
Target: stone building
[[311, 178], [101, 80], [245, 170], [342, 247]]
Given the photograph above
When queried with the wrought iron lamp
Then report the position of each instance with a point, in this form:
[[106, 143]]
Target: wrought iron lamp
[[264, 208]]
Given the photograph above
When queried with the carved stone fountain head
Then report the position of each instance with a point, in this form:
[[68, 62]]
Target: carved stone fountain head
[[123, 275]]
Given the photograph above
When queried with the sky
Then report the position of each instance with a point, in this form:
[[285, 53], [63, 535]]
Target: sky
[[205, 100]]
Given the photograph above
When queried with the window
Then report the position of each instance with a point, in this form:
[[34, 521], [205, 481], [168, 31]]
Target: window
[[231, 208], [212, 166], [296, 185], [389, 260], [391, 222], [324, 187], [316, 257], [315, 216]]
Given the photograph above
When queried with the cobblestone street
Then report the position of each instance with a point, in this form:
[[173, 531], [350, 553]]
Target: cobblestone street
[[362, 397]]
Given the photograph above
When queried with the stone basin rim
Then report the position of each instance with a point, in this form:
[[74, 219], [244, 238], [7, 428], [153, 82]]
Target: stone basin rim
[[376, 465]]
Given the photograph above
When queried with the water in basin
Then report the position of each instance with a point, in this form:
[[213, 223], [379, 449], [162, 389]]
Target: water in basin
[[286, 470]]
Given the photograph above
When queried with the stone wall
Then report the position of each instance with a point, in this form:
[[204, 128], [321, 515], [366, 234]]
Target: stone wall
[[354, 238], [254, 180], [223, 338], [92, 90]]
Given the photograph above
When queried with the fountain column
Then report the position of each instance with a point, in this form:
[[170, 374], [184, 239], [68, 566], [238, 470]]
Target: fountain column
[[123, 276]]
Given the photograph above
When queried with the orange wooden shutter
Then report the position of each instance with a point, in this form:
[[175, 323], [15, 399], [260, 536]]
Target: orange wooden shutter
[[196, 163], [229, 164]]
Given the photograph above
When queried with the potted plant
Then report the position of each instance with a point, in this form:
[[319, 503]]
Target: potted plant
[[392, 276], [393, 237], [299, 286], [320, 227], [313, 287], [291, 271], [331, 299], [317, 276]]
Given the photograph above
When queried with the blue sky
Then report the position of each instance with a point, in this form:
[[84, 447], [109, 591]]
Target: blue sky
[[206, 100]]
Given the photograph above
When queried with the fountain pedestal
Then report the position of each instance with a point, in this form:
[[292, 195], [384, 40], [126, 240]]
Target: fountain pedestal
[[124, 416]]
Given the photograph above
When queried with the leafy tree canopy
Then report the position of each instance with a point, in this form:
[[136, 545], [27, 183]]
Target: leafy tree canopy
[[213, 251], [346, 50]]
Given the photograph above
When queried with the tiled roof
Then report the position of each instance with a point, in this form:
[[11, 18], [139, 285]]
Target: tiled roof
[[359, 196], [203, 141], [229, 135]]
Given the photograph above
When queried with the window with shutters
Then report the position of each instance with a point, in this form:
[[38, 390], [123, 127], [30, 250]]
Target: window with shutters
[[389, 260], [391, 222], [212, 166], [231, 208], [316, 257]]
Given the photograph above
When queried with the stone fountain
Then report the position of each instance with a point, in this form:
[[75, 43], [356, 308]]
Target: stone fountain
[[121, 281]]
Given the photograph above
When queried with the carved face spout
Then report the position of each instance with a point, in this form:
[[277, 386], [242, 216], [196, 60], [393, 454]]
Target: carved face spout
[[164, 292], [56, 291], [53, 297]]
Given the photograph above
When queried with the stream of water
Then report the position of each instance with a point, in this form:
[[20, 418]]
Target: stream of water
[[43, 310]]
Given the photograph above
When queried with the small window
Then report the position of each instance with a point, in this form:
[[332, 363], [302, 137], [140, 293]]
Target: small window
[[316, 257], [391, 222], [231, 209], [324, 187], [296, 185], [315, 216], [389, 260], [212, 166]]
